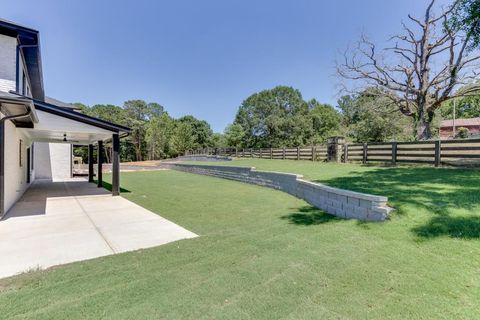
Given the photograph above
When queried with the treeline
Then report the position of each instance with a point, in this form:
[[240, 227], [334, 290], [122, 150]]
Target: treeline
[[155, 134], [278, 117]]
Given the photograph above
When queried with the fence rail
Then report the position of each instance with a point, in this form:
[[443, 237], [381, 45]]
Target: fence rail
[[313, 153], [438, 152]]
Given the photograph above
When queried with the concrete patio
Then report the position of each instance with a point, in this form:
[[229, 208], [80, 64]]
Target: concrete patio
[[61, 222]]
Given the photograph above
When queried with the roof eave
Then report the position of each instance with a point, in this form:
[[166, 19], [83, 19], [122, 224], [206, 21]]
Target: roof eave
[[77, 116]]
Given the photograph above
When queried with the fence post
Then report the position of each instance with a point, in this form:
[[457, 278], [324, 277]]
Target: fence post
[[438, 157], [283, 153], [314, 153], [271, 153], [365, 147], [298, 153], [345, 153], [394, 153]]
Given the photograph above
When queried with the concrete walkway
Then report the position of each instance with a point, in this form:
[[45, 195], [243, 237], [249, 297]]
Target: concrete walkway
[[61, 222]]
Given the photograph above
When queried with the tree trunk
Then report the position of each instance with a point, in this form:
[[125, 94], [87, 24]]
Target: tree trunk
[[423, 123], [108, 151]]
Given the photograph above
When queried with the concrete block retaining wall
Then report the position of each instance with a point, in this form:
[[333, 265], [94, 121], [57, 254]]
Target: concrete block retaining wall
[[338, 202], [200, 157]]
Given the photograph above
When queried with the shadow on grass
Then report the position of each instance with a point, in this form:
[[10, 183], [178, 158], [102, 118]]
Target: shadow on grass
[[308, 216], [108, 186], [440, 191], [453, 227]]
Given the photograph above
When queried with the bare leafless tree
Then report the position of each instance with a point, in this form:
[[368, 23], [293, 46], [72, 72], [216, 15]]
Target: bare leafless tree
[[426, 65]]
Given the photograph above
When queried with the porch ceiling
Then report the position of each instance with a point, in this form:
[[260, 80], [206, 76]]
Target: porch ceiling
[[54, 128], [66, 136]]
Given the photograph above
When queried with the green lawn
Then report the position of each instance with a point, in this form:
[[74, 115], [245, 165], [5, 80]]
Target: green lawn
[[265, 254]]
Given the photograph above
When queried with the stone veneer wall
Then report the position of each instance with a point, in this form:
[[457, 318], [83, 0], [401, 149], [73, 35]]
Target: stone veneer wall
[[338, 202]]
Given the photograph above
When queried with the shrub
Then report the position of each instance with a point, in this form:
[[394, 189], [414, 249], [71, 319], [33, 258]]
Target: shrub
[[463, 132]]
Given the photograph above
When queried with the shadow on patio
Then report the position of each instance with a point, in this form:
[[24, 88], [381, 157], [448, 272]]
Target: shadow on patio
[[43, 193]]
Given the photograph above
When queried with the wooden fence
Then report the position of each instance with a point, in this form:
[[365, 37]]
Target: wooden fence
[[314, 153], [448, 152]]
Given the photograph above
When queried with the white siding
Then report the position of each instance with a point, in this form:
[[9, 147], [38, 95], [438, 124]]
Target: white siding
[[8, 47], [15, 176], [53, 161]]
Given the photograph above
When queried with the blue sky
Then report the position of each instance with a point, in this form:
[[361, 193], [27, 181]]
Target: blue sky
[[199, 57]]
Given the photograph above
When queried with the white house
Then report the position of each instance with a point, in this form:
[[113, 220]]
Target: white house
[[37, 132]]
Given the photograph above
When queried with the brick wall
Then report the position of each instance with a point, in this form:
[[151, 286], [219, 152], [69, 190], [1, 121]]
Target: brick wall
[[8, 47], [338, 202]]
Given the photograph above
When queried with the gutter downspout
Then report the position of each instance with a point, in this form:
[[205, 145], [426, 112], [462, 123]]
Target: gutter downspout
[[2, 156]]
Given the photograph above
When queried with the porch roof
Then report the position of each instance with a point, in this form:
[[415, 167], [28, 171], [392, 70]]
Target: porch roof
[[80, 117], [47, 122], [57, 124]]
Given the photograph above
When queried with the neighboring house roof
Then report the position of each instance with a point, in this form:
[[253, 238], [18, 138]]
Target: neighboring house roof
[[461, 122], [77, 116], [29, 44], [59, 103]]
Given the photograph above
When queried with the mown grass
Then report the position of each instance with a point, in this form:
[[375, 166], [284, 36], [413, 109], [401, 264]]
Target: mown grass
[[263, 254]]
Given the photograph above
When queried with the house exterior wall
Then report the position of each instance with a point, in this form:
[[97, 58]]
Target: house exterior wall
[[53, 161], [8, 64], [16, 175], [447, 132]]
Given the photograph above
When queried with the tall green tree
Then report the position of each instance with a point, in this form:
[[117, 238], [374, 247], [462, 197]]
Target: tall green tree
[[465, 107], [159, 132], [183, 138], [138, 113], [274, 118], [202, 133], [115, 114], [370, 117], [218, 140], [234, 135], [325, 121], [466, 17]]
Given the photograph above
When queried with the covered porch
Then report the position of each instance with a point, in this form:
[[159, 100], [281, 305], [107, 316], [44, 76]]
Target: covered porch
[[58, 125], [47, 222], [65, 221], [27, 122]]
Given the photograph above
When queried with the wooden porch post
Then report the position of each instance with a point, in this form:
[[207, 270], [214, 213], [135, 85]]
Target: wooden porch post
[[90, 163], [99, 162], [116, 165]]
